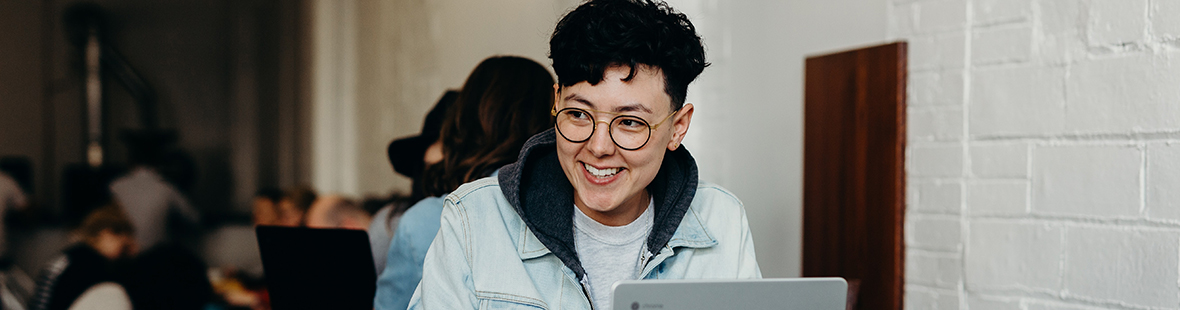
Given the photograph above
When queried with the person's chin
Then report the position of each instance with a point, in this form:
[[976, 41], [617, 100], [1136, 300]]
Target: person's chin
[[599, 201]]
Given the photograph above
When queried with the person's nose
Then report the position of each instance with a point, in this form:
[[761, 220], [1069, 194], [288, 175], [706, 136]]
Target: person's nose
[[600, 143]]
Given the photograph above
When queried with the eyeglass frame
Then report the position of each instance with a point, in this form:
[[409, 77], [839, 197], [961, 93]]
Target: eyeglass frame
[[609, 125]]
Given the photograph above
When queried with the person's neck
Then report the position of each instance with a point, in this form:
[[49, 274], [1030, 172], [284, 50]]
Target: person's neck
[[626, 213]]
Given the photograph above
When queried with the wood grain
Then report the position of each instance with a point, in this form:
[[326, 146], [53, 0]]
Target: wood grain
[[854, 171]]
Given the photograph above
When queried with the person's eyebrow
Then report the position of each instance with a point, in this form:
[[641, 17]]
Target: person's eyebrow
[[621, 109], [632, 108], [575, 97]]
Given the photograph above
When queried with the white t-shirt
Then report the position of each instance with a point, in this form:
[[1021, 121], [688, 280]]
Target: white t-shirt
[[610, 253]]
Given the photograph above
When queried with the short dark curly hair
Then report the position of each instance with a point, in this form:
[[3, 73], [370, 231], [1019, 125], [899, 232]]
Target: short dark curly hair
[[604, 33]]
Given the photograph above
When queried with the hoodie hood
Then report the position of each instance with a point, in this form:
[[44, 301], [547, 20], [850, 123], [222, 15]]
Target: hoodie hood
[[538, 190]]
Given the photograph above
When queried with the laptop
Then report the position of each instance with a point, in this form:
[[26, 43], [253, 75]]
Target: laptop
[[309, 268], [752, 294]]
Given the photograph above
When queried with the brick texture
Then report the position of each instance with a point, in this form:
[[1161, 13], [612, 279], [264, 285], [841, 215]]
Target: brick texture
[[941, 124], [934, 233], [1086, 180], [1001, 11], [936, 88], [1117, 21], [918, 298], [941, 15], [1008, 160], [981, 303], [1003, 255], [1163, 177], [1043, 160], [1002, 45], [1017, 101], [1121, 265], [1165, 18], [936, 161], [1003, 197], [939, 197], [1062, 36], [942, 271], [1138, 92], [937, 51]]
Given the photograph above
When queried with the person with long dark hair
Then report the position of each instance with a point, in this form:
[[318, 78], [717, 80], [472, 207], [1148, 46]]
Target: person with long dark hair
[[504, 101]]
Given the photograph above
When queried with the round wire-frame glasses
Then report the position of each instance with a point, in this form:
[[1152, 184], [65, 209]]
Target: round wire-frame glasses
[[628, 132]]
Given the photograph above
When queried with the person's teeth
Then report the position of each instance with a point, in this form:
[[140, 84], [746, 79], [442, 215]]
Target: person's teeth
[[601, 172]]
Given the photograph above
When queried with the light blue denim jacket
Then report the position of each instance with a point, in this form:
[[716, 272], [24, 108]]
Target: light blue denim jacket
[[407, 249], [503, 243]]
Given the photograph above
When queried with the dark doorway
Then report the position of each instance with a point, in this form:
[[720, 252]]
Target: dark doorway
[[854, 172]]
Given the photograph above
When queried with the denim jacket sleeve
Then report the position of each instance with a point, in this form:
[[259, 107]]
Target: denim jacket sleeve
[[417, 228], [748, 262], [447, 281]]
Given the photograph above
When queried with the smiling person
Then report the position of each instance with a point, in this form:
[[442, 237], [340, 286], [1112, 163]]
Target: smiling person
[[608, 194]]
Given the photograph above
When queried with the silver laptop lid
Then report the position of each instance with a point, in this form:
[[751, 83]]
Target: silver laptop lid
[[753, 294]]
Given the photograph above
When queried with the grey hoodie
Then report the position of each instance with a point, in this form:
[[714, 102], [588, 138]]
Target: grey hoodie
[[539, 191]]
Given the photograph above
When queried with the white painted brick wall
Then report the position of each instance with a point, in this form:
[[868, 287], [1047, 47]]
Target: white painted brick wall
[[940, 15], [1043, 158], [936, 88], [985, 303], [923, 298], [1133, 93], [997, 197], [1017, 101], [936, 161], [1061, 37], [1006, 255], [1086, 180], [1117, 21], [935, 233], [1166, 18], [1002, 45], [939, 196], [1007, 160], [1061, 16], [936, 124], [1163, 176], [1001, 11], [937, 51], [1060, 306], [934, 270], [1122, 266]]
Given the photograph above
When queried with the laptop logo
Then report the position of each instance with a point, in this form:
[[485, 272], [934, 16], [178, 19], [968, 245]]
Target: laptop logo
[[635, 305]]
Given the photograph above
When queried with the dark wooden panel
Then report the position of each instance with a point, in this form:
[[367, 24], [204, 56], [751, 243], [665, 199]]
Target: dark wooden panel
[[854, 173]]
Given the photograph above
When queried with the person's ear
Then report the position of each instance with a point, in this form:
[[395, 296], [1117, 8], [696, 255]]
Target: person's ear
[[680, 124], [556, 95]]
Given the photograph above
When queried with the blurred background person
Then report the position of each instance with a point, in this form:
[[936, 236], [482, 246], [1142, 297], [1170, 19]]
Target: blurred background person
[[12, 198], [408, 156], [504, 101], [411, 155], [149, 198], [293, 207], [105, 238], [265, 206], [333, 211]]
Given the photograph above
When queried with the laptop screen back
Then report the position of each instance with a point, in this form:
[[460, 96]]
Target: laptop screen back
[[310, 268], [753, 294]]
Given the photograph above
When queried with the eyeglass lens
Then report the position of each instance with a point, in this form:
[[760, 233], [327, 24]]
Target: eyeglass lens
[[628, 132]]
